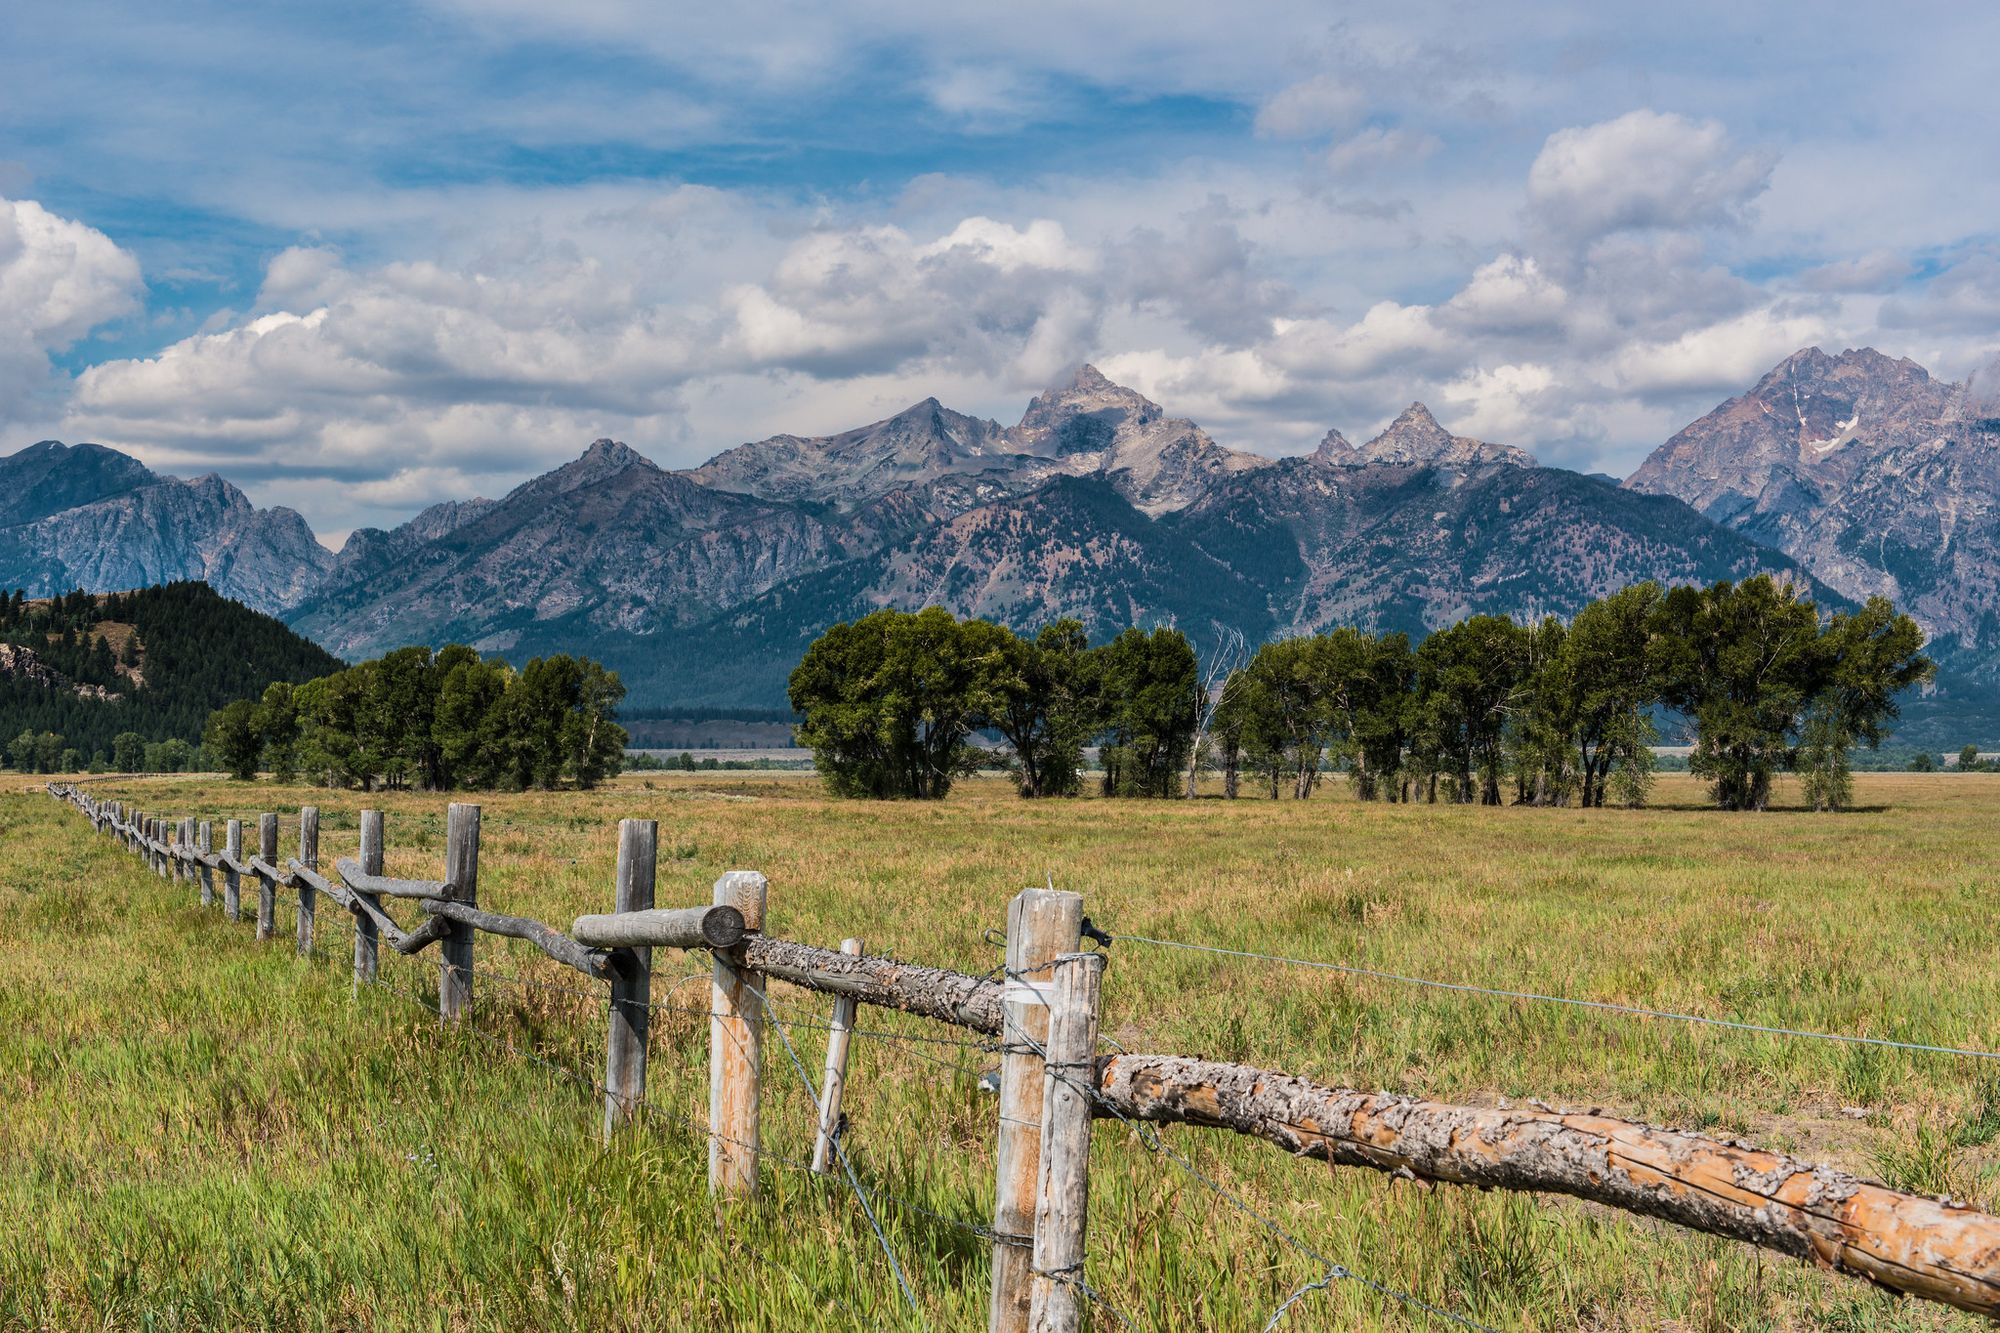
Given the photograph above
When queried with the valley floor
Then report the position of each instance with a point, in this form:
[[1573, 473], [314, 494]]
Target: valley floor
[[198, 1131]]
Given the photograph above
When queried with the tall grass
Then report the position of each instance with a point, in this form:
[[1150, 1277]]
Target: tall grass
[[198, 1131]]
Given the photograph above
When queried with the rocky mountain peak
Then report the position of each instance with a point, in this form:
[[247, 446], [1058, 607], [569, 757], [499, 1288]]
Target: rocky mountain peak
[[1865, 469], [603, 460], [1335, 450], [1082, 416], [49, 476], [611, 455], [1415, 439]]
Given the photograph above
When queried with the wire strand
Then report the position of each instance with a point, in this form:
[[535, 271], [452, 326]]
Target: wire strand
[[1607, 1006]]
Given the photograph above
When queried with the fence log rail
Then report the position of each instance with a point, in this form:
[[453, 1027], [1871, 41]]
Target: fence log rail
[[382, 886], [1929, 1248], [591, 962]]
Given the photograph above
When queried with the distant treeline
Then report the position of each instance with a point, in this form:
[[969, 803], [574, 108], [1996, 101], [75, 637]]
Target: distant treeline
[[679, 713], [439, 721], [165, 656], [1547, 712]]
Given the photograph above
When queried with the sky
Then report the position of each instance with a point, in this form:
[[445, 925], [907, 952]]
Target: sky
[[359, 258]]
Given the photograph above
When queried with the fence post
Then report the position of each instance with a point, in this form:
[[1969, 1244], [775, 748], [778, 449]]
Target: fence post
[[185, 869], [1042, 925], [267, 889], [1062, 1204], [204, 841], [232, 883], [157, 856], [835, 1082], [309, 858], [367, 935], [736, 1048], [632, 979], [461, 873]]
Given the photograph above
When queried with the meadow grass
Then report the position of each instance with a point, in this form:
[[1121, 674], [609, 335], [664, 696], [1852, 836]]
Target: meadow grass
[[199, 1131]]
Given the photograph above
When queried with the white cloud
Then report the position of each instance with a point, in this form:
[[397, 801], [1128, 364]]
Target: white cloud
[[1876, 271], [1721, 359], [58, 280], [1508, 294], [1375, 148], [1644, 169], [1505, 404], [1310, 108]]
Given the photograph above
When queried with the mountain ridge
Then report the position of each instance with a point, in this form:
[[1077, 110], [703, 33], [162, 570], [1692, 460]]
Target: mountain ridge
[[1100, 503]]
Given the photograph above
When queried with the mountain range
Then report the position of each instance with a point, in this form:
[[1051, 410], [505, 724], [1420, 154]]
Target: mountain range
[[1854, 474]]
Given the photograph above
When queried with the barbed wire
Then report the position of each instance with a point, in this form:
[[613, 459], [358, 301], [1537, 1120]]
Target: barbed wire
[[1608, 1006], [1151, 1137], [853, 1180]]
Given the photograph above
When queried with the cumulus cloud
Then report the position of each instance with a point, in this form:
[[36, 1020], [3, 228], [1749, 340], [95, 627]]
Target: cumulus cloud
[[1508, 294], [1719, 359], [1506, 403], [509, 361], [1644, 169], [58, 280]]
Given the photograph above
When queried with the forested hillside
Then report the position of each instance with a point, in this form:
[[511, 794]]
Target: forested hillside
[[153, 663]]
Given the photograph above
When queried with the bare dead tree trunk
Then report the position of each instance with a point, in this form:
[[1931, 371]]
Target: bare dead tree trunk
[[1905, 1242], [1222, 663]]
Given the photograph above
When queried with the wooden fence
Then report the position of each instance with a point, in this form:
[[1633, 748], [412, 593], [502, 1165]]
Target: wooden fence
[[1053, 1080]]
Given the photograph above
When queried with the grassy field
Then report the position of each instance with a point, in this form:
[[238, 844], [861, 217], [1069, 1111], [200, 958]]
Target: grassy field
[[199, 1132]]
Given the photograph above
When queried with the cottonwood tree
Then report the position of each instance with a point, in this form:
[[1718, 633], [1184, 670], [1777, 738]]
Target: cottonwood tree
[[234, 739], [891, 700], [128, 752], [1867, 658], [277, 724], [1471, 677], [1047, 705], [1146, 684], [1751, 665]]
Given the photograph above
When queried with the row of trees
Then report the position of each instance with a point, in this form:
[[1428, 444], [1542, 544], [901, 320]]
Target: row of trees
[[892, 701], [1566, 712], [1559, 712], [50, 752], [439, 721]]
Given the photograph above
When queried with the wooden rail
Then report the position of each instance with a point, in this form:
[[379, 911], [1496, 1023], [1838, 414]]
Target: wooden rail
[[1045, 1015]]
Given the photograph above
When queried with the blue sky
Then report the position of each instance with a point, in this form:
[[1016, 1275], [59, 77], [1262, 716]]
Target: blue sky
[[363, 257]]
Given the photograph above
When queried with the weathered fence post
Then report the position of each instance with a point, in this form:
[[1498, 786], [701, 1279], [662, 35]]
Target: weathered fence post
[[267, 888], [232, 881], [184, 868], [159, 848], [1062, 1203], [461, 873], [204, 842], [736, 1048], [309, 858], [367, 935], [632, 979], [1042, 925], [834, 1084]]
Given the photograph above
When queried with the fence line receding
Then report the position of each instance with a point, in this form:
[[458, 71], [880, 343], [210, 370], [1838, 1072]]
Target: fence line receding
[[1041, 1016]]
